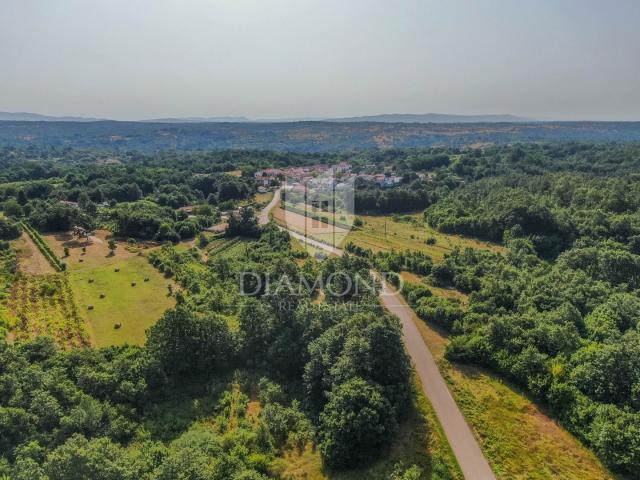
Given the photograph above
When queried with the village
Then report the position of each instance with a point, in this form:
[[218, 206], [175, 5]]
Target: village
[[339, 176]]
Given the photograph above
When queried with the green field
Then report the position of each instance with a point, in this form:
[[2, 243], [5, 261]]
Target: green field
[[233, 248], [400, 232], [381, 232], [136, 308]]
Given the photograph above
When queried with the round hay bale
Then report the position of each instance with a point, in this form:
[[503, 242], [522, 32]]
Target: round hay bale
[[91, 280], [133, 284], [146, 279], [81, 260], [89, 307], [117, 326], [116, 270], [102, 295]]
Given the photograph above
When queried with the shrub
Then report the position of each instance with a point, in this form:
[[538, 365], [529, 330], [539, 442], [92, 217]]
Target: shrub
[[9, 230]]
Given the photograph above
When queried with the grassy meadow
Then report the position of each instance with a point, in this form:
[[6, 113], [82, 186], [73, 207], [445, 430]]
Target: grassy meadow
[[31, 260], [402, 232], [263, 198], [385, 233], [67, 306], [135, 308]]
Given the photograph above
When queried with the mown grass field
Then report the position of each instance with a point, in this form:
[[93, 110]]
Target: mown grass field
[[96, 251], [420, 442], [383, 233], [518, 438], [135, 308]]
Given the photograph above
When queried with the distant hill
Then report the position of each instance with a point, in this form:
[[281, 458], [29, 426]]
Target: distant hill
[[384, 118], [36, 117], [434, 118], [199, 120], [303, 136]]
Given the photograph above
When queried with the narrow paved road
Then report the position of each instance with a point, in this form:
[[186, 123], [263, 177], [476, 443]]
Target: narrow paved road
[[472, 461], [263, 217], [314, 243]]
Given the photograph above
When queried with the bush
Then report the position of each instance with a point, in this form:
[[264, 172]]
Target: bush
[[355, 425], [185, 341], [441, 311], [9, 230]]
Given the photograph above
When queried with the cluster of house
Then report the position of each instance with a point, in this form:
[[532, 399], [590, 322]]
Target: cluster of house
[[339, 174], [69, 203]]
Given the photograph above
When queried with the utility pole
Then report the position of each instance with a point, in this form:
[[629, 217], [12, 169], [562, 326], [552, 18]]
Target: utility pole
[[305, 216], [333, 197]]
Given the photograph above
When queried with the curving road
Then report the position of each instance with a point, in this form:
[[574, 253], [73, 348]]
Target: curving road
[[472, 461], [263, 216]]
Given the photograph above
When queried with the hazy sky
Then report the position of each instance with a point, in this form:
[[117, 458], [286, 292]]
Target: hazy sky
[[131, 59]]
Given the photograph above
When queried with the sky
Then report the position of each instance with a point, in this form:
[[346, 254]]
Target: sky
[[137, 59]]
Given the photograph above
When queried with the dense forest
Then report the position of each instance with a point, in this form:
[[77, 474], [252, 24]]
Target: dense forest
[[557, 313], [105, 413]]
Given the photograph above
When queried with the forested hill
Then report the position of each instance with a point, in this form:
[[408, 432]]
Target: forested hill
[[301, 136]]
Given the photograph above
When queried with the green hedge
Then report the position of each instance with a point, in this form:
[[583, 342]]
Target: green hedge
[[43, 247]]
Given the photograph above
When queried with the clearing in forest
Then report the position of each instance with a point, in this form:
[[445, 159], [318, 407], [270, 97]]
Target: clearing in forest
[[410, 232], [384, 233], [95, 272], [96, 249], [134, 297]]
